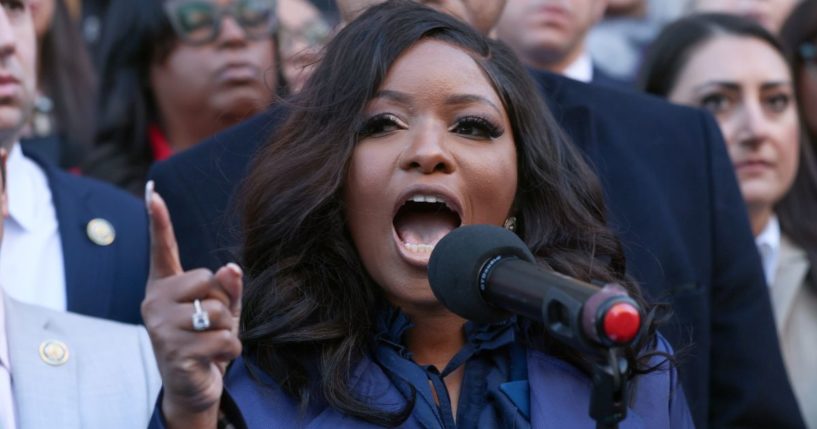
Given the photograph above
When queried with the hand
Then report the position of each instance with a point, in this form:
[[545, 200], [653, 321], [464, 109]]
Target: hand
[[191, 363]]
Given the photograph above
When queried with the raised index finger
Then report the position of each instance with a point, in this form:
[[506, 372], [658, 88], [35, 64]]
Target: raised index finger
[[164, 252]]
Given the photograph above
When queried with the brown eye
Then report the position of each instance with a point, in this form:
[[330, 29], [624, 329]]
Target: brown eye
[[778, 103], [378, 125], [14, 7], [477, 128], [716, 103]]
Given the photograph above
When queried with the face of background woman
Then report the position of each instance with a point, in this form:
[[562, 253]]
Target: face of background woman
[[435, 151], [746, 84]]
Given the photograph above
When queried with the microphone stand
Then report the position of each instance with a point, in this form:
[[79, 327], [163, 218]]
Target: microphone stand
[[561, 314], [608, 400]]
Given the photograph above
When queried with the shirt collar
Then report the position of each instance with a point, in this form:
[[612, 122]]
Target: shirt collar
[[24, 180], [581, 69], [768, 244], [391, 324]]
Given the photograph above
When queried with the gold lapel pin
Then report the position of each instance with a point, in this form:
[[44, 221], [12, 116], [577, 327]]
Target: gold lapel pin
[[101, 232], [54, 352]]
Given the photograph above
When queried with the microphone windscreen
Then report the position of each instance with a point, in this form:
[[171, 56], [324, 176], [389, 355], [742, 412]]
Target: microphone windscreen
[[457, 262]]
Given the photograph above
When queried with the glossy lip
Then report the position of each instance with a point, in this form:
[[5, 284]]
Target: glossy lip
[[420, 260]]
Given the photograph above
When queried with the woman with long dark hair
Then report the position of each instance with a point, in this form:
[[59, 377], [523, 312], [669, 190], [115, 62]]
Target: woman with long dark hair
[[738, 70], [62, 124], [412, 125], [174, 72]]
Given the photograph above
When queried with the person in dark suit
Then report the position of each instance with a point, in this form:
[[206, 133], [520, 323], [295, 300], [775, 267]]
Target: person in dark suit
[[70, 243], [552, 35], [673, 200]]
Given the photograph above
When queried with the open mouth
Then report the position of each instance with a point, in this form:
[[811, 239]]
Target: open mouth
[[422, 221]]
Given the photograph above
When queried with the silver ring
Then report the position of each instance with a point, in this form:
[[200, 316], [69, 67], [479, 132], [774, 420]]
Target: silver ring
[[201, 320]]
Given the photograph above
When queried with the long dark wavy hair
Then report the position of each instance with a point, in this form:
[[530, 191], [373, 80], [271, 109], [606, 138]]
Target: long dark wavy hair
[[67, 76], [309, 304], [137, 34], [667, 57], [800, 205]]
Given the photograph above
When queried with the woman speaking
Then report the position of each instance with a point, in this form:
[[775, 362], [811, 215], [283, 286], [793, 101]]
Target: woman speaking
[[412, 125]]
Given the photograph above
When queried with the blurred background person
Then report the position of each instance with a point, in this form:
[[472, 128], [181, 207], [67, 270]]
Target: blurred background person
[[551, 35], [617, 43], [64, 370], [174, 73], [737, 70], [61, 126], [302, 33], [771, 14], [799, 34], [70, 243]]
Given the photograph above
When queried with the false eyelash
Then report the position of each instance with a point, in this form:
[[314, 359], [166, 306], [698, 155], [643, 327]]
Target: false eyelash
[[493, 130], [375, 124]]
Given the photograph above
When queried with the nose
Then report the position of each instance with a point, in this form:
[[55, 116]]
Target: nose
[[427, 152], [753, 125], [232, 34], [7, 37]]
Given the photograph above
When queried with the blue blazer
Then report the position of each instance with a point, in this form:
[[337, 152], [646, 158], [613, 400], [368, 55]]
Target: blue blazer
[[673, 200], [100, 281], [555, 395]]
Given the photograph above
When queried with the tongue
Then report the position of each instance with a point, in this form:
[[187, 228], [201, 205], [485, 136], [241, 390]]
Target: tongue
[[418, 227]]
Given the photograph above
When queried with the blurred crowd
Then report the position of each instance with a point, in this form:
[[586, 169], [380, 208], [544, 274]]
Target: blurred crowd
[[101, 99]]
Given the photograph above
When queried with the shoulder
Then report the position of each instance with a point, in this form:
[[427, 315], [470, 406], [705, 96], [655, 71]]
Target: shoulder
[[561, 391], [235, 144], [94, 330], [111, 363], [78, 188], [615, 101]]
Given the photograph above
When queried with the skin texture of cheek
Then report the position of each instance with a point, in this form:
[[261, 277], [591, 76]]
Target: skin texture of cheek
[[762, 191]]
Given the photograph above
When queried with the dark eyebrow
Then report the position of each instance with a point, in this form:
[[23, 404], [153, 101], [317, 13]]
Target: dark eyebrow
[[773, 85], [471, 98], [732, 86], [397, 96], [403, 98]]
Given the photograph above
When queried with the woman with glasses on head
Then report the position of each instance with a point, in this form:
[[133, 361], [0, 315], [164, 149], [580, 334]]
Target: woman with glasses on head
[[174, 72], [737, 70]]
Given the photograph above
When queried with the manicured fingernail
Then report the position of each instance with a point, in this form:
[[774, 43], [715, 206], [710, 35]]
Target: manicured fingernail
[[235, 269], [148, 194]]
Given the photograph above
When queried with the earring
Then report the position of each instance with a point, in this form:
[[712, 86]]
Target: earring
[[510, 223]]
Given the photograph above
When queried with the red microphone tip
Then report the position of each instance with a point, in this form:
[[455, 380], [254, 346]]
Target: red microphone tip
[[622, 322]]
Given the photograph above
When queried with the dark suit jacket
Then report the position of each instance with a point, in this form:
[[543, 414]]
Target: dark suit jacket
[[600, 77], [101, 281], [673, 200]]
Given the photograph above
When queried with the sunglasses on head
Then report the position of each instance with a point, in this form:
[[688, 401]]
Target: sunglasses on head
[[198, 22]]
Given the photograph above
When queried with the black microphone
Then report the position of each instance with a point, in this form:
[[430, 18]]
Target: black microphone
[[483, 273]]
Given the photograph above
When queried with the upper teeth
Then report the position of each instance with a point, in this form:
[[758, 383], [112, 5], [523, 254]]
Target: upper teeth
[[426, 199]]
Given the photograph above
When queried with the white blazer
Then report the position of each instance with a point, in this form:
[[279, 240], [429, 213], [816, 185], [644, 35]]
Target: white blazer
[[108, 380]]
